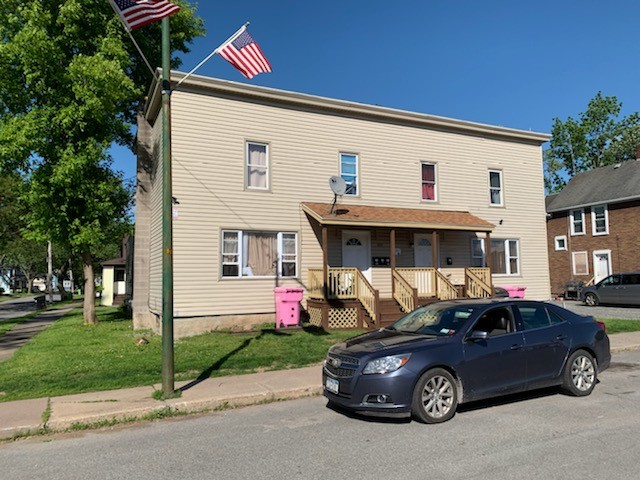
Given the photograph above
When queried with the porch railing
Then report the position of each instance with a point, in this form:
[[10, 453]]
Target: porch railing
[[445, 290], [403, 292], [345, 284], [368, 296], [423, 279], [314, 285], [478, 282]]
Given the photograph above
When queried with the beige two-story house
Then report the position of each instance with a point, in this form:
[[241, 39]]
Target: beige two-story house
[[433, 208]]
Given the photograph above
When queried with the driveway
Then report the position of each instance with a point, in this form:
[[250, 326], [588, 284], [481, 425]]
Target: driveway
[[601, 311]]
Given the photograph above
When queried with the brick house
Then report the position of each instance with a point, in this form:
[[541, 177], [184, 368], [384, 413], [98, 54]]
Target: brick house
[[593, 225]]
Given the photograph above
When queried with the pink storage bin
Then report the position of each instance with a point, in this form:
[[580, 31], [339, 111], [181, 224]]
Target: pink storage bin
[[287, 305]]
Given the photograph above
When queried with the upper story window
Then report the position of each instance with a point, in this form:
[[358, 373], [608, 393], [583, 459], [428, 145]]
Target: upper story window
[[257, 163], [599, 220], [259, 254], [495, 188], [576, 222], [560, 242], [349, 172], [429, 187]]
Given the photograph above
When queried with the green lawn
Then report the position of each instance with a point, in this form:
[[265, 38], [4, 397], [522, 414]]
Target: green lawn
[[69, 357], [615, 325]]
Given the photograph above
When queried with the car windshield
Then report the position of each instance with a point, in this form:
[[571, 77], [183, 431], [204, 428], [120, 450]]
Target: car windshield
[[434, 320]]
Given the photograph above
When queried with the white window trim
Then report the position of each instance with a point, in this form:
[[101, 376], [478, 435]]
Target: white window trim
[[571, 223], [555, 243], [499, 172], [240, 234], [357, 174], [247, 165], [593, 220], [573, 262], [508, 255], [435, 182]]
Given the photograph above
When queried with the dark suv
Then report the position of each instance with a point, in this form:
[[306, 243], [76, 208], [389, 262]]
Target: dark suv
[[619, 289]]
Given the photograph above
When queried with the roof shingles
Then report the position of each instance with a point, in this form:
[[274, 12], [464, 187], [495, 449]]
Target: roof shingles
[[391, 216]]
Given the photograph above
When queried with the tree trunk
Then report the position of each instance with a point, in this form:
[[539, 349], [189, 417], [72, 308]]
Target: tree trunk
[[62, 272], [30, 281], [89, 306]]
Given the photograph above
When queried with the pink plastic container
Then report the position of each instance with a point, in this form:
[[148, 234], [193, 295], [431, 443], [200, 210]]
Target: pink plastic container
[[287, 305], [514, 292]]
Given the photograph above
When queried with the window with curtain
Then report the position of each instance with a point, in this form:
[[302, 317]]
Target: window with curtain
[[495, 187], [580, 263], [349, 172], [259, 254], [257, 166], [505, 255], [429, 181]]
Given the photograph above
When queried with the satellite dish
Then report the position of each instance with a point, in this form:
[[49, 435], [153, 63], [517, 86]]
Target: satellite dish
[[338, 185]]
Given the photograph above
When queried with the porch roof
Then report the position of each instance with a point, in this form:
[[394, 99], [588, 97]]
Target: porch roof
[[391, 217]]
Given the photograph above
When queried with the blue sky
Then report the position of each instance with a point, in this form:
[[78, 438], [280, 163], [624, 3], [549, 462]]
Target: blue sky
[[503, 62]]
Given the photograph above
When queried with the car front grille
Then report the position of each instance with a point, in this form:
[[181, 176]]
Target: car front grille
[[341, 365]]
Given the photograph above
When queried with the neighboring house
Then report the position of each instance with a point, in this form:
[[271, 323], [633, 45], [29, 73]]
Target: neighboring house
[[593, 225], [12, 280], [116, 276], [434, 208]]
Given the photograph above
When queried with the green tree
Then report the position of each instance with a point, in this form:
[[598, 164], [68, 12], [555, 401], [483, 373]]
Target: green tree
[[71, 83], [17, 252], [598, 137]]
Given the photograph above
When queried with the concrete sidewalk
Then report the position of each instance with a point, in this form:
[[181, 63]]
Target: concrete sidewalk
[[59, 413]]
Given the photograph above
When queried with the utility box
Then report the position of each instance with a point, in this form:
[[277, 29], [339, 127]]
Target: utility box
[[288, 306]]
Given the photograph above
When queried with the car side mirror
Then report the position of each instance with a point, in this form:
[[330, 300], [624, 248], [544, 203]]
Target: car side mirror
[[477, 335]]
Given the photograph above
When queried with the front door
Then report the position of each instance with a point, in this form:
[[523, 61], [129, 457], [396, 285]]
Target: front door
[[356, 251], [422, 250], [601, 264]]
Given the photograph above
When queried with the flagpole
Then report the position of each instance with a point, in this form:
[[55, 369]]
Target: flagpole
[[168, 386], [115, 9], [230, 39]]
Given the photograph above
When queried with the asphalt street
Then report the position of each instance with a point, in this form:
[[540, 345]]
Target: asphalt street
[[544, 435], [17, 307]]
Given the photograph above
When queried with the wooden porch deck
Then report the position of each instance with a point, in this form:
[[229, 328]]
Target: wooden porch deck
[[342, 298]]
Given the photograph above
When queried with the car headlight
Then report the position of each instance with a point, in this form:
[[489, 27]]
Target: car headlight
[[386, 364]]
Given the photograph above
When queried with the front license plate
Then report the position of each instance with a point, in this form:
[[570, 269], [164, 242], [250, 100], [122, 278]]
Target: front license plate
[[332, 385]]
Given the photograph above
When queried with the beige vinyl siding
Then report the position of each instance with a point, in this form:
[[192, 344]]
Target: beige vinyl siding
[[209, 136], [155, 255]]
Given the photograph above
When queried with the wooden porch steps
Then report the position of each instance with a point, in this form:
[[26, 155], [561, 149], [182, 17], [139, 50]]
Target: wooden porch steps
[[390, 310]]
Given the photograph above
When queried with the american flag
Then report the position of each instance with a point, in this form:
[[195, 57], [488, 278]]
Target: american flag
[[245, 54], [136, 14]]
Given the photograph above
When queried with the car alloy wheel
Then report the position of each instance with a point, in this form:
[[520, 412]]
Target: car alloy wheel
[[591, 300], [580, 375], [435, 397]]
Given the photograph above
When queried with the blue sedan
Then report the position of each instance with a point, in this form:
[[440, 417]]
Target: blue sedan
[[448, 353]]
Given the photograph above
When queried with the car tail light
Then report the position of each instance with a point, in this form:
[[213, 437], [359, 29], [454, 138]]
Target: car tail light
[[602, 325]]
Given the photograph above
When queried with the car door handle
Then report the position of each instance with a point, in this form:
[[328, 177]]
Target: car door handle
[[561, 337], [516, 347]]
